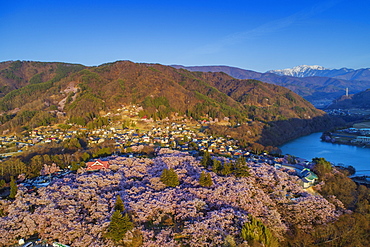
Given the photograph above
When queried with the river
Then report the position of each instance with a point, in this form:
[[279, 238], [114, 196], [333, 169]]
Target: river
[[311, 146]]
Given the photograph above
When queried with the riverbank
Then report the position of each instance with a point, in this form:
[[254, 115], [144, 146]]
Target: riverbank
[[311, 146], [357, 135], [346, 139]]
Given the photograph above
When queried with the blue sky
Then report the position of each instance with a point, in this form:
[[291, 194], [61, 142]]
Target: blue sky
[[256, 35]]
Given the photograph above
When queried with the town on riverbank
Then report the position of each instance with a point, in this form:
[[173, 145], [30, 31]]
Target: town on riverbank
[[357, 135], [39, 156], [68, 147], [45, 156]]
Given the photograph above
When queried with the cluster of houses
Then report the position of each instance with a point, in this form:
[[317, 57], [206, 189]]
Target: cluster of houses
[[172, 135], [14, 144], [364, 136], [358, 112], [362, 139], [162, 133], [356, 135], [338, 112], [358, 131], [43, 180], [175, 135]]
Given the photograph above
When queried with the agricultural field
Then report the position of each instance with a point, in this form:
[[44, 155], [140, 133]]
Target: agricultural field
[[362, 125]]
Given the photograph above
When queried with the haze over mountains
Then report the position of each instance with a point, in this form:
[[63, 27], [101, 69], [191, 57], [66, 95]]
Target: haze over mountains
[[317, 84]]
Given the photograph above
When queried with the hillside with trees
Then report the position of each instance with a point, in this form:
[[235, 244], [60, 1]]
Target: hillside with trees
[[17, 74], [358, 100], [51, 93]]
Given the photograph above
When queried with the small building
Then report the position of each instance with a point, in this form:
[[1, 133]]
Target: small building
[[146, 139], [308, 177], [363, 139], [97, 165]]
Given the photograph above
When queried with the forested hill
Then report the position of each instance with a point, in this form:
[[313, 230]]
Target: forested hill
[[17, 74], [36, 93], [358, 100]]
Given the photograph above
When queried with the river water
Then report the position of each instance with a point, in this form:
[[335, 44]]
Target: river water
[[311, 146]]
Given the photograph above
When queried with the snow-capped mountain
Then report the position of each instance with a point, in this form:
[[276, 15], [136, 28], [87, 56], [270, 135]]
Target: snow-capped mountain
[[317, 84], [311, 70]]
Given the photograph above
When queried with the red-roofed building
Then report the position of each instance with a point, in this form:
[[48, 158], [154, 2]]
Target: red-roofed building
[[97, 165]]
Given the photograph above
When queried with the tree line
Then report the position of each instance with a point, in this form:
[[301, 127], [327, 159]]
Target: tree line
[[71, 153]]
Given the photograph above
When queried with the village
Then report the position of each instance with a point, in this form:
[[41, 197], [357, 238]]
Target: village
[[127, 134], [193, 144], [131, 137], [358, 135], [137, 134]]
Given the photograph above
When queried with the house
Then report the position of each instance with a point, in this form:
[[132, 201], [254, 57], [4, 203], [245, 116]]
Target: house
[[146, 139], [308, 177], [363, 139], [97, 165]]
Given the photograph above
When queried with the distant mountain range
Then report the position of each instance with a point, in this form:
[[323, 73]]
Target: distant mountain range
[[317, 84], [315, 70]]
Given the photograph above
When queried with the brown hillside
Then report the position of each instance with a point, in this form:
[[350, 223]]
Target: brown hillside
[[46, 93]]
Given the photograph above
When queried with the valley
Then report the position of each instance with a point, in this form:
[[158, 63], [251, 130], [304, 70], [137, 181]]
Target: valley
[[185, 152], [184, 123], [82, 95]]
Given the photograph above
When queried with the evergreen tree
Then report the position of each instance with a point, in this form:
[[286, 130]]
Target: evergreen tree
[[75, 166], [241, 169], [2, 183], [205, 160], [257, 234], [227, 169], [85, 156], [169, 177], [119, 225], [241, 172], [119, 206], [164, 176], [240, 162], [205, 179], [13, 188], [217, 166]]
